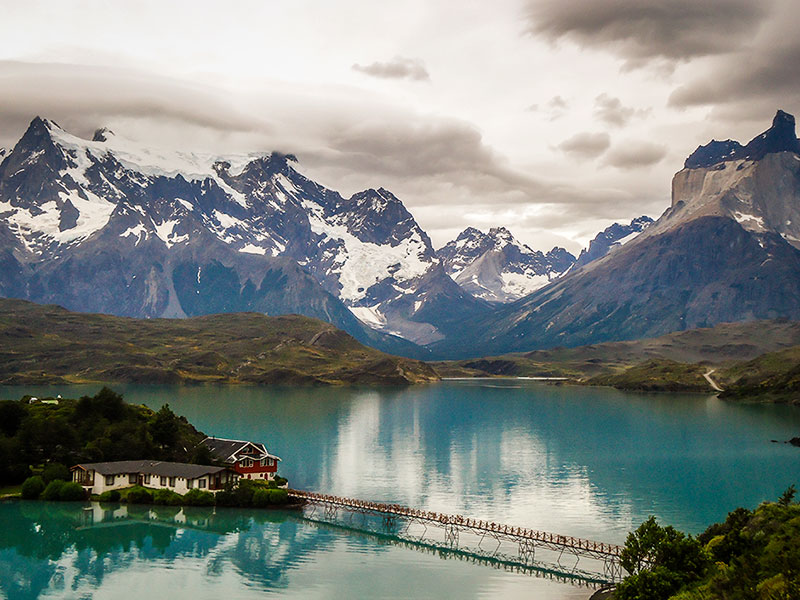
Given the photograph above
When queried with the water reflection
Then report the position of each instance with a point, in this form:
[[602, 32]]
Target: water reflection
[[78, 550], [580, 461]]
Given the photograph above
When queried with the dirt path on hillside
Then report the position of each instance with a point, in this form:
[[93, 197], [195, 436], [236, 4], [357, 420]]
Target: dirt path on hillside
[[710, 381]]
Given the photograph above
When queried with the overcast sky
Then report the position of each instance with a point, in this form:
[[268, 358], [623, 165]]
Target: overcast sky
[[553, 118]]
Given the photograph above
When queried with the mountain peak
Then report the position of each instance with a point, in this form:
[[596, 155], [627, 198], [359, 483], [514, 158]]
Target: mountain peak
[[780, 137], [102, 134]]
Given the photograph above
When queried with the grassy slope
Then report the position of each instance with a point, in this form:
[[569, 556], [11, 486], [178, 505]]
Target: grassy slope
[[48, 344], [673, 362], [772, 377]]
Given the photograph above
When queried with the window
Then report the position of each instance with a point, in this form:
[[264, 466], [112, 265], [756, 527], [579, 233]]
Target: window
[[171, 482], [109, 480], [147, 479], [190, 483], [201, 483], [131, 478], [163, 481], [247, 462]]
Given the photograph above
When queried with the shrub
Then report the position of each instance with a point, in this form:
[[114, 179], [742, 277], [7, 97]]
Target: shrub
[[55, 471], [261, 498], [71, 490], [278, 496], [167, 498], [110, 496], [196, 497], [32, 487], [279, 481], [139, 495], [53, 489]]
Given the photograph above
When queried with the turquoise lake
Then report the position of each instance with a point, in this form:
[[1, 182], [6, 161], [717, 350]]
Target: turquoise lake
[[578, 461]]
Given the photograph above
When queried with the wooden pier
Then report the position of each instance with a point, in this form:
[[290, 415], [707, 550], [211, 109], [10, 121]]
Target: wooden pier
[[468, 535]]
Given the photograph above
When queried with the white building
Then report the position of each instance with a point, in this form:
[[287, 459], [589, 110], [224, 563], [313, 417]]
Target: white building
[[177, 477]]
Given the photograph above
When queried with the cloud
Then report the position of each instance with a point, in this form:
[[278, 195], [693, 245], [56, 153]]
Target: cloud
[[641, 30], [586, 145], [611, 111], [635, 155], [397, 68]]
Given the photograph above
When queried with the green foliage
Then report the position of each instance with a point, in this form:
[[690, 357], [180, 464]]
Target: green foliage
[[278, 496], [53, 490], [11, 416], [139, 495], [196, 497], [32, 487], [280, 481], [787, 496], [755, 554], [56, 471], [261, 498], [71, 491], [201, 455], [167, 498], [660, 561], [92, 429], [110, 496]]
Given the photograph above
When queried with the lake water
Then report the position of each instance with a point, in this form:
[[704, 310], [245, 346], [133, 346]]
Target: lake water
[[578, 461]]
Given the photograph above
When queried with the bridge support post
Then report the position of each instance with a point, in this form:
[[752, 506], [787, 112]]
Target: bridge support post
[[613, 570], [389, 522], [331, 510], [451, 535], [527, 552]]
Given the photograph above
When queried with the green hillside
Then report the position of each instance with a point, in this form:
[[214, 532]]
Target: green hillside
[[48, 344]]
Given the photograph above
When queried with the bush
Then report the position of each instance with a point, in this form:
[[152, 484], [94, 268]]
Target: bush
[[139, 495], [196, 497], [261, 498], [32, 487], [72, 490], [278, 496], [279, 481], [167, 498], [110, 496], [264, 497], [53, 489], [55, 471]]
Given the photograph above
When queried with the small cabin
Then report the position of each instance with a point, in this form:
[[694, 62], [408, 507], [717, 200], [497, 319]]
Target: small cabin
[[177, 477]]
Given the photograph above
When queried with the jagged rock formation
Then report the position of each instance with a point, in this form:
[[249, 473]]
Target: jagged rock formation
[[496, 267], [109, 226], [725, 251], [612, 237]]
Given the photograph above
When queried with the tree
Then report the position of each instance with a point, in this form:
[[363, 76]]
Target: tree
[[660, 561], [787, 496], [164, 427]]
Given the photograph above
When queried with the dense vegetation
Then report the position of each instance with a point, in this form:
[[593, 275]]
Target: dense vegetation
[[753, 555], [48, 344], [91, 429], [774, 376], [660, 375]]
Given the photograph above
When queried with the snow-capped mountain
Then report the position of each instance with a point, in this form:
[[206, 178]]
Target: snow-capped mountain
[[496, 267], [726, 250], [162, 233], [610, 238]]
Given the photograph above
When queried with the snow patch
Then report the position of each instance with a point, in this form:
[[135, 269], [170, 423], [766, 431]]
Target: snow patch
[[253, 249], [369, 315]]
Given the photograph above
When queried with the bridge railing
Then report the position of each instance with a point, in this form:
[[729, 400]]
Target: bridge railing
[[594, 547]]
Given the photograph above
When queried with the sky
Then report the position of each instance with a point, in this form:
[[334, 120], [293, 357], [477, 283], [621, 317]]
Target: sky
[[553, 118]]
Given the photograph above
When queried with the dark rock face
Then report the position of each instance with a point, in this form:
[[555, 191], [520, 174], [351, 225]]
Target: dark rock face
[[96, 225], [609, 238], [707, 271], [780, 137]]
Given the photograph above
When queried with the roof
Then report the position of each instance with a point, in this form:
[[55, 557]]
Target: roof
[[154, 467], [228, 450]]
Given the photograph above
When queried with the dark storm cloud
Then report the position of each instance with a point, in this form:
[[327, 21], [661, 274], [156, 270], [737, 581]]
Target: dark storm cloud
[[80, 98], [610, 110], [635, 155], [397, 68], [586, 144], [640, 30]]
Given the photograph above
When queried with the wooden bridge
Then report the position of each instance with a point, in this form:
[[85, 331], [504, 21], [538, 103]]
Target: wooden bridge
[[468, 535]]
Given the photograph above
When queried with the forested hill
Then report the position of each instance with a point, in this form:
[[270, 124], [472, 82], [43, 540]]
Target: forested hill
[[48, 344]]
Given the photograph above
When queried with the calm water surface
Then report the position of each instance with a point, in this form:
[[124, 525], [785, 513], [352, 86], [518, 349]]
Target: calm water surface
[[578, 461]]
